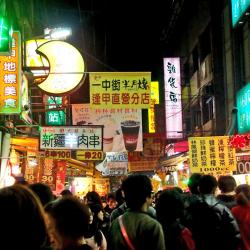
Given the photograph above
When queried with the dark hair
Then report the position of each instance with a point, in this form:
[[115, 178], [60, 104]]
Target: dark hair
[[94, 227], [119, 196], [226, 183], [66, 192], [243, 194], [93, 198], [169, 206], [136, 189], [111, 196], [43, 191], [208, 184], [193, 183], [22, 219], [70, 215]]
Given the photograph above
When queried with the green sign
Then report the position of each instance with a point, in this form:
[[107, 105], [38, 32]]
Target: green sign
[[239, 7], [243, 105], [5, 37], [55, 117]]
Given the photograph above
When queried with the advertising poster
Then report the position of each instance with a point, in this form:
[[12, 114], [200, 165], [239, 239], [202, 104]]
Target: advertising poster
[[122, 127], [211, 155], [120, 89]]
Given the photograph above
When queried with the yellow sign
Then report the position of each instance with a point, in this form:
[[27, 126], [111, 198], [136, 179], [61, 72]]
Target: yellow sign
[[58, 154], [151, 111], [66, 67], [89, 155], [10, 78], [120, 90], [211, 155]]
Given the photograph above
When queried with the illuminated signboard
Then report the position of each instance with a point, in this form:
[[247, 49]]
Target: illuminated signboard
[[243, 105], [239, 7], [89, 155], [151, 111], [55, 117], [5, 37], [173, 106], [120, 90], [10, 78], [211, 155], [66, 67], [72, 137]]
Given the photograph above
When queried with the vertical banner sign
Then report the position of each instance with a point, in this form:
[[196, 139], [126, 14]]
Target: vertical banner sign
[[122, 127], [120, 90], [243, 105], [211, 155], [173, 108], [10, 78], [239, 7], [32, 167], [151, 111], [55, 117]]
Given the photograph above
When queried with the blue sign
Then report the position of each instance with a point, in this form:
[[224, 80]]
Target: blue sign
[[239, 7], [243, 105]]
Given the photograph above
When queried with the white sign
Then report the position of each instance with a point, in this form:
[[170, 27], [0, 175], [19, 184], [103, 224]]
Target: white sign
[[73, 137], [122, 127], [173, 107]]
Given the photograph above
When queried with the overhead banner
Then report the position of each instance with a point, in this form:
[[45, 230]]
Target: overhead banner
[[122, 127], [10, 78], [173, 107], [120, 90], [211, 155], [71, 137]]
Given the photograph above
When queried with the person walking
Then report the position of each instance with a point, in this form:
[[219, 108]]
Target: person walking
[[135, 229]]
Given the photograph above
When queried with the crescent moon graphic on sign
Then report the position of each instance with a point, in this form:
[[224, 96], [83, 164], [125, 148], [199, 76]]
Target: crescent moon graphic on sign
[[66, 67]]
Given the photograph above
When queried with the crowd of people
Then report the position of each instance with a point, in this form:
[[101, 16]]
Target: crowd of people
[[134, 218]]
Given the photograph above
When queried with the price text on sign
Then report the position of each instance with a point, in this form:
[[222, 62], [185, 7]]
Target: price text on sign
[[89, 155], [58, 154]]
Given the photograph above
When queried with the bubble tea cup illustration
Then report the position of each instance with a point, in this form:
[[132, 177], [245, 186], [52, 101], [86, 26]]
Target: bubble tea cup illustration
[[130, 131]]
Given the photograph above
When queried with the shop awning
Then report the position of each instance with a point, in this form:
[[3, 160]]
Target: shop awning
[[25, 143]]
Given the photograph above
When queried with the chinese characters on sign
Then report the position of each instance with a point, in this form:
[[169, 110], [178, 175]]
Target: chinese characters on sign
[[89, 155], [151, 111], [84, 137], [120, 90], [211, 155], [173, 108], [58, 154], [10, 77], [122, 127]]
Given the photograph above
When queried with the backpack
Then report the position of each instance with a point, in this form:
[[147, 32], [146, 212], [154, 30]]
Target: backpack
[[205, 223]]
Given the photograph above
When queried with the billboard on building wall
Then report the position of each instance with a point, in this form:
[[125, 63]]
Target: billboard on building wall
[[173, 106], [122, 127], [120, 89], [243, 105]]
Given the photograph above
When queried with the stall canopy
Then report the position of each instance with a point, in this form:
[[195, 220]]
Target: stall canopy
[[82, 166]]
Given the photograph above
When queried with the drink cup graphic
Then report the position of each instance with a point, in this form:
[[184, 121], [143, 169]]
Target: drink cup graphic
[[130, 131]]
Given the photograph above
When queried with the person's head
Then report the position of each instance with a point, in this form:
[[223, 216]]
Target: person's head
[[97, 212], [226, 183], [208, 184], [93, 197], [243, 194], [111, 201], [68, 221], [137, 190], [169, 206], [119, 196], [193, 182], [43, 191], [22, 219], [66, 192]]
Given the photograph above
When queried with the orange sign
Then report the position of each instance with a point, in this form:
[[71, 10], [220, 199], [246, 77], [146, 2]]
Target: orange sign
[[10, 77]]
